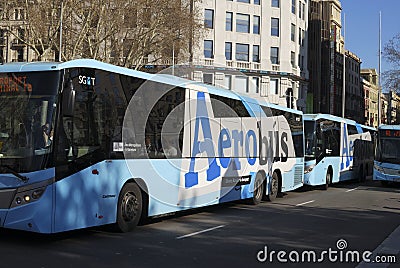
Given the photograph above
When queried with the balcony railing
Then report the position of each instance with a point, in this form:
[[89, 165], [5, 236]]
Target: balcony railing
[[17, 43]]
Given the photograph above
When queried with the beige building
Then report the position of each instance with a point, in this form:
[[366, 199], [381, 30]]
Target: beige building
[[370, 84], [257, 48], [13, 29]]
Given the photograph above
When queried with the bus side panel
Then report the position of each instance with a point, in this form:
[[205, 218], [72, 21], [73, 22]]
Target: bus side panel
[[89, 197], [318, 175]]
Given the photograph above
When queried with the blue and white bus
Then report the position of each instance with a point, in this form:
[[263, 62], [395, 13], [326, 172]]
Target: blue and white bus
[[336, 149], [387, 154], [84, 143]]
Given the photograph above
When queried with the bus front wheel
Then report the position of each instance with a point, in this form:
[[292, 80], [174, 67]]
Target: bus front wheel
[[328, 180], [130, 204], [258, 190]]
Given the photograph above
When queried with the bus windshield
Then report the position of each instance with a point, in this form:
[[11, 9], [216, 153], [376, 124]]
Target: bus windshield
[[389, 150], [27, 107], [310, 139]]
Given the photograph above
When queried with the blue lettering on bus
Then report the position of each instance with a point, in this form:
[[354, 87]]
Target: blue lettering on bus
[[345, 150], [251, 160], [226, 140], [224, 143], [213, 171]]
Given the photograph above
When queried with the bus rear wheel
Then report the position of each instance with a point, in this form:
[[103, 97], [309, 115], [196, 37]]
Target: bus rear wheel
[[130, 205], [274, 187]]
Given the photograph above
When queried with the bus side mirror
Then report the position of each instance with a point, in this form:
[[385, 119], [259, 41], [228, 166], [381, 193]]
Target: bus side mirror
[[68, 99]]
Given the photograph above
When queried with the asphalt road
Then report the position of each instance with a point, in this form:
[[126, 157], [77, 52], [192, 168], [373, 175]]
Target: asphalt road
[[352, 217]]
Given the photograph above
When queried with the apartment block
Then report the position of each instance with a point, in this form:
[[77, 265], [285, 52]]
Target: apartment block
[[256, 47]]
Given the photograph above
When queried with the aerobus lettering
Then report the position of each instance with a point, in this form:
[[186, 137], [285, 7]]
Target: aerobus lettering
[[346, 151], [234, 139], [213, 171], [284, 145]]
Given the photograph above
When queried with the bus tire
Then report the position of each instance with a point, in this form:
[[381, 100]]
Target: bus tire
[[361, 174], [273, 187], [328, 180], [258, 192], [129, 210]]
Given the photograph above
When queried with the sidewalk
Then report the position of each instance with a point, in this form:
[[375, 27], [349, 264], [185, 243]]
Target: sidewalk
[[389, 247]]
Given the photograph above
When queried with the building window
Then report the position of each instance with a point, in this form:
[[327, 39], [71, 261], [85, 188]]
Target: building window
[[20, 55], [209, 19], [256, 2], [274, 86], [228, 50], [243, 23], [275, 3], [303, 11], [241, 84], [244, 1], [300, 9], [208, 49], [228, 81], [256, 25], [242, 52], [274, 27], [292, 32], [294, 6], [256, 85], [228, 22], [293, 59], [256, 53], [275, 55], [208, 78]]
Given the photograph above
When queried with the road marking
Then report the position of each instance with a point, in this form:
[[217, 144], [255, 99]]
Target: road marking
[[350, 190], [200, 232], [308, 202]]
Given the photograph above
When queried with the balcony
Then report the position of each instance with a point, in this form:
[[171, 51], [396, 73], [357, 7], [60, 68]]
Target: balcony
[[16, 43]]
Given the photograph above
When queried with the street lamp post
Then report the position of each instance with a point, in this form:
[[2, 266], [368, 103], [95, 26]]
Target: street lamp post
[[61, 32]]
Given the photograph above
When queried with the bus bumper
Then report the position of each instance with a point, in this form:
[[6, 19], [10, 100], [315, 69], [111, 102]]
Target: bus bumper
[[32, 215]]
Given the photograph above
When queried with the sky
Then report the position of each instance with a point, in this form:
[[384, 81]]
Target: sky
[[362, 28]]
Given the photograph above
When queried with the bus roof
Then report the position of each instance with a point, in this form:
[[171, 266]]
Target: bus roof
[[314, 117], [161, 78], [90, 63], [390, 127]]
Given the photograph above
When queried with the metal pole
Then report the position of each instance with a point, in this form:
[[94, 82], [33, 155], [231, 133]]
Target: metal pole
[[173, 57], [61, 25], [379, 72], [344, 67]]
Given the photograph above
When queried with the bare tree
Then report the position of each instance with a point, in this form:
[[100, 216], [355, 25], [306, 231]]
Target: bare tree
[[392, 54], [129, 33]]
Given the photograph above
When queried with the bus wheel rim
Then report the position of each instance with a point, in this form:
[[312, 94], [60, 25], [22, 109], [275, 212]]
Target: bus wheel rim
[[129, 207]]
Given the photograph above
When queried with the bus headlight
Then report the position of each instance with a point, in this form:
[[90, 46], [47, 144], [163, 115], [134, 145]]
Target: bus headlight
[[30, 193], [379, 168], [308, 169]]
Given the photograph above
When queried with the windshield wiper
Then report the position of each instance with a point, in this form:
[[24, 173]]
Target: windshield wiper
[[16, 174]]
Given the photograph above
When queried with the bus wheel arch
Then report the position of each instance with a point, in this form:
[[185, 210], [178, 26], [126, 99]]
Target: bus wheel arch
[[131, 205]]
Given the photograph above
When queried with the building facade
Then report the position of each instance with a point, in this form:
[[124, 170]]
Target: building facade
[[325, 56], [256, 47], [13, 30], [369, 81], [354, 94]]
